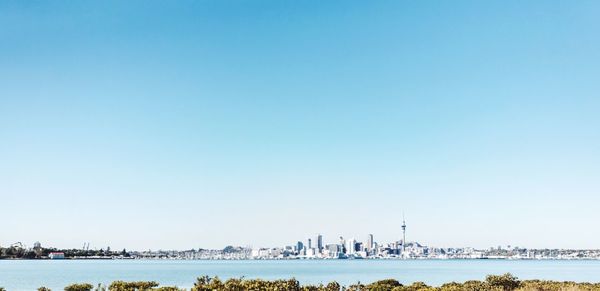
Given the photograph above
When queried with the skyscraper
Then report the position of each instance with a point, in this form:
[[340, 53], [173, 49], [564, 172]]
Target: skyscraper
[[299, 246], [320, 243], [369, 245], [351, 246], [309, 244]]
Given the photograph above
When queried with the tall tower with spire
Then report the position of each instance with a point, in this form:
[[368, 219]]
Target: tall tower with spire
[[403, 234]]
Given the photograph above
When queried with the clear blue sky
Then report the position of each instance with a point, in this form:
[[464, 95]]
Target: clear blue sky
[[180, 124]]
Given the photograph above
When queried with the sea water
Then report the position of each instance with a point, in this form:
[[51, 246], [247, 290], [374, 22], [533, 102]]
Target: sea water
[[55, 274]]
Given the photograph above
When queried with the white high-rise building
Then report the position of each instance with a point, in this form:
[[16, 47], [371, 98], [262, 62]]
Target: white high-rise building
[[350, 246], [369, 245]]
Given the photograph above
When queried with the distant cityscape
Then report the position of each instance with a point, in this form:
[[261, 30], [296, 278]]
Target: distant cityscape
[[311, 248], [369, 249]]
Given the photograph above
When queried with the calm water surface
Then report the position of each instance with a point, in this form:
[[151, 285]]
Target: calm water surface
[[30, 274]]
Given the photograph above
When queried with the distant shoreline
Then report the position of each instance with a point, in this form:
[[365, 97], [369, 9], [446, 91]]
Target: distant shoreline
[[304, 259]]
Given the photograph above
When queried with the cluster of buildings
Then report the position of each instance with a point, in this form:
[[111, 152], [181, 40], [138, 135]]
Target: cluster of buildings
[[343, 249], [229, 253], [313, 248], [351, 249], [368, 248]]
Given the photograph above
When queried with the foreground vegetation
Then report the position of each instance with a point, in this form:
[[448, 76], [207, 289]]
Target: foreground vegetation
[[506, 282]]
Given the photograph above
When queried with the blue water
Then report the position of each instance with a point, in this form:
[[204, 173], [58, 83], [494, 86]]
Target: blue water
[[31, 274]]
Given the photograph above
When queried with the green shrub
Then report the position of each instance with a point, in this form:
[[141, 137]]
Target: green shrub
[[333, 286], [506, 282], [79, 287], [43, 289], [474, 285], [132, 286], [206, 283], [416, 286], [384, 285], [452, 286], [357, 287], [542, 285]]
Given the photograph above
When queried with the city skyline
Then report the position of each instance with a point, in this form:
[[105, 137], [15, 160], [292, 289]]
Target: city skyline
[[166, 125], [356, 247], [344, 248]]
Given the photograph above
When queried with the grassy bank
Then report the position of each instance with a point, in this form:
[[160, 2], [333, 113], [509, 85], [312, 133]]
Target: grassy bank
[[505, 282]]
